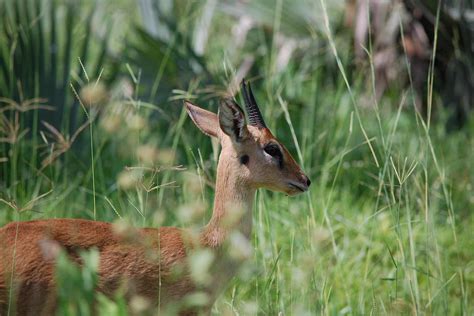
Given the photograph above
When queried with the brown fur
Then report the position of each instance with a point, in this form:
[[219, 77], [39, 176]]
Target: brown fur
[[122, 259]]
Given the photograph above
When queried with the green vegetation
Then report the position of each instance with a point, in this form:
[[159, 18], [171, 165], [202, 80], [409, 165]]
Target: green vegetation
[[386, 227]]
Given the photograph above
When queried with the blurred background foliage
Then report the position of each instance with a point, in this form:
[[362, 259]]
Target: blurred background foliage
[[378, 93]]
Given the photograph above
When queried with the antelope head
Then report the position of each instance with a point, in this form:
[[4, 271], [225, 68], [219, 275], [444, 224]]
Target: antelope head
[[255, 157]]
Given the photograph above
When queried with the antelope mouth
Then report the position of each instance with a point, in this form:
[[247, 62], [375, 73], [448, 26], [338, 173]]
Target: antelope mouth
[[297, 187]]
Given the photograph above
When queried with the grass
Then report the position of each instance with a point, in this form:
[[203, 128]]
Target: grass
[[385, 229]]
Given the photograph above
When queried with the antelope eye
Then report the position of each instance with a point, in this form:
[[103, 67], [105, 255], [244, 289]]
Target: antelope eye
[[273, 150]]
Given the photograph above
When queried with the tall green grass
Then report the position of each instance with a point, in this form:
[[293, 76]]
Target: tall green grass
[[385, 229]]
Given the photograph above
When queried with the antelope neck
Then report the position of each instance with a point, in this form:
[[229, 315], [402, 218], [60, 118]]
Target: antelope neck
[[233, 204]]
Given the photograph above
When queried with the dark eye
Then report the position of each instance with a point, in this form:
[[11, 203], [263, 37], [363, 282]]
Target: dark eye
[[274, 151]]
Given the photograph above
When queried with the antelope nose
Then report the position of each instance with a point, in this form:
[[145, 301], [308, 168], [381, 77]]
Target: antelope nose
[[306, 180]]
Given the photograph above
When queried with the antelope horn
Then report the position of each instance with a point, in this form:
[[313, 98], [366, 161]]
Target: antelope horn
[[253, 112]]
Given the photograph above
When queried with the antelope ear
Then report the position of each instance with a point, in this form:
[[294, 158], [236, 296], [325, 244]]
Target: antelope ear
[[206, 121], [232, 120]]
